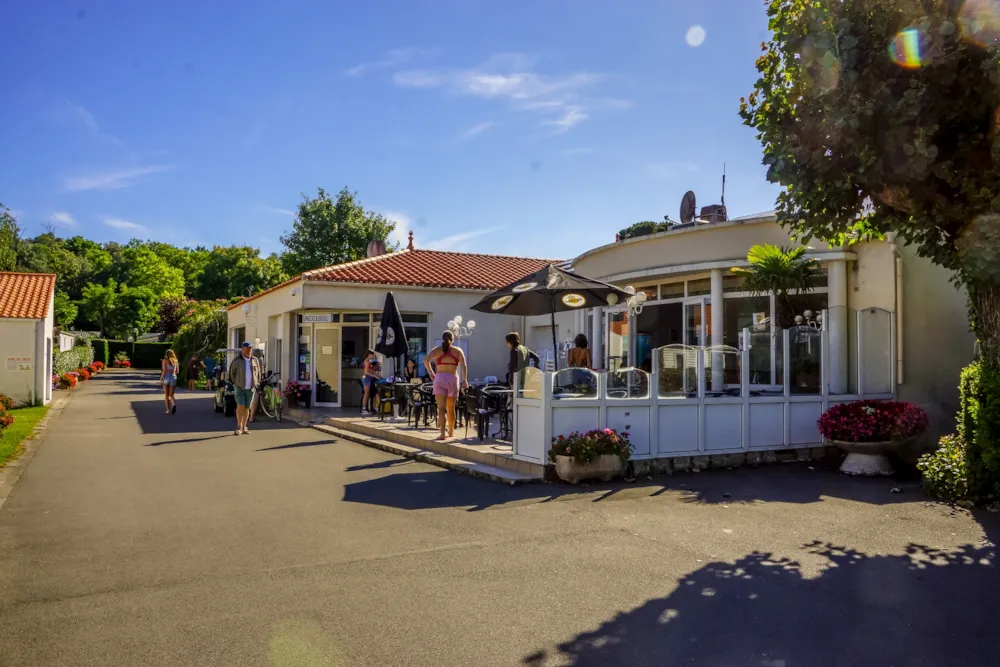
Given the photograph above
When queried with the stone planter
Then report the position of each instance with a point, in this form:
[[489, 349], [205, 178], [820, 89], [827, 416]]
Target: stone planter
[[604, 467], [869, 458]]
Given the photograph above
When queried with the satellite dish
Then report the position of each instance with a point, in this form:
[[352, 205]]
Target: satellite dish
[[688, 207]]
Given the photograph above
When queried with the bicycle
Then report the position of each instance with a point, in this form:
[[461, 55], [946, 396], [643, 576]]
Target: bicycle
[[269, 396]]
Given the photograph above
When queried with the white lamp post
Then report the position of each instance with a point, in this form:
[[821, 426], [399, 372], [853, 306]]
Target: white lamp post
[[455, 327]]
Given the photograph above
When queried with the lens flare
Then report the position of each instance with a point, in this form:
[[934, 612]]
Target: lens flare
[[979, 21], [905, 50]]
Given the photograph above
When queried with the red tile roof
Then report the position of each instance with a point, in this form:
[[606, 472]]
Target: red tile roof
[[26, 295], [425, 268], [432, 268]]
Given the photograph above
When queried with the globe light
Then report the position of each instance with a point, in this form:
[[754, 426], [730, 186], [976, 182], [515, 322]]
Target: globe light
[[612, 299], [458, 320], [471, 325], [451, 324], [630, 290], [640, 298], [246, 308]]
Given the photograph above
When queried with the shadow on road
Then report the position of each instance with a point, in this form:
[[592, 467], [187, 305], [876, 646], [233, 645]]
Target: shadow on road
[[927, 607], [786, 483], [295, 445], [195, 415]]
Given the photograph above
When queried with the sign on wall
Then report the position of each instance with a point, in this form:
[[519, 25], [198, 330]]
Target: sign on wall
[[317, 318], [19, 363]]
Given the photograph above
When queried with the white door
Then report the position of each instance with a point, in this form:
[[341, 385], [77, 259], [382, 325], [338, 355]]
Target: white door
[[541, 341], [326, 365]]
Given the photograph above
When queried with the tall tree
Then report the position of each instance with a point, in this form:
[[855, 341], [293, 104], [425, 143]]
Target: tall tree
[[10, 240], [331, 231], [99, 302], [237, 271], [885, 116], [779, 271], [46, 253], [142, 267], [136, 311], [65, 310]]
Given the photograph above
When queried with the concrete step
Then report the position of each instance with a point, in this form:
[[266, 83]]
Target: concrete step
[[473, 468]]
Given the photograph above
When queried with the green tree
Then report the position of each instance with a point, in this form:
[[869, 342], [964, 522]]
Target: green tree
[[99, 302], [778, 271], [95, 264], [203, 329], [64, 310], [10, 240], [46, 253], [237, 271], [885, 116], [170, 314], [136, 310], [328, 231], [142, 267]]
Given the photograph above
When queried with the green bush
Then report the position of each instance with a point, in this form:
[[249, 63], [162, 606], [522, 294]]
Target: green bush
[[945, 471], [72, 359], [101, 354], [979, 428], [146, 355]]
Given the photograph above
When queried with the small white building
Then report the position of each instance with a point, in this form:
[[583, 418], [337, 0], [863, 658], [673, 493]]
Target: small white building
[[316, 327], [27, 302]]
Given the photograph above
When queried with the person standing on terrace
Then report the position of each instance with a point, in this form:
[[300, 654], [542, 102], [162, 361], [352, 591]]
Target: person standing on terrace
[[448, 359], [579, 356]]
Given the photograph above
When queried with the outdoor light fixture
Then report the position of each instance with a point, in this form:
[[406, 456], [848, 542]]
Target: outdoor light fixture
[[455, 326], [246, 308], [635, 302]]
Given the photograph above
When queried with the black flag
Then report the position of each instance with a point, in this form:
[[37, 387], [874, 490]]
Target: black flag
[[391, 340]]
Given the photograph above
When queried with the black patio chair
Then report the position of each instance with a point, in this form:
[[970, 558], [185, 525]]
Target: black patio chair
[[473, 410], [386, 399], [420, 401], [500, 405]]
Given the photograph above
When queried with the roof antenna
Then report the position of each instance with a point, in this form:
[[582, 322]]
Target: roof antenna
[[723, 183]]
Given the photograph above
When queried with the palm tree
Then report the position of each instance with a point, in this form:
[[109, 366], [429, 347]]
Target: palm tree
[[778, 270]]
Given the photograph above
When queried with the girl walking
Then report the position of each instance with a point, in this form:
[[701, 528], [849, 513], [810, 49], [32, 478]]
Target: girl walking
[[448, 359], [168, 378]]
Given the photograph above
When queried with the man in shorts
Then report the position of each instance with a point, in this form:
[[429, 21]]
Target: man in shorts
[[245, 373]]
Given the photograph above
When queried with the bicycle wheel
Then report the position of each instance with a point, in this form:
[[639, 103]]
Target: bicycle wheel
[[265, 402], [276, 398]]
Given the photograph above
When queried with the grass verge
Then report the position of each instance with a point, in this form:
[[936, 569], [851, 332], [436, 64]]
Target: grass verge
[[12, 437]]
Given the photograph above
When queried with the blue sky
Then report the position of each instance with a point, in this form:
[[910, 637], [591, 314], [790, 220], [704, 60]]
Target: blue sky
[[528, 128]]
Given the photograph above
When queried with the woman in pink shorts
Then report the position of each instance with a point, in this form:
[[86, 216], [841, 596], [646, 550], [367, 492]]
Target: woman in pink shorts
[[448, 359]]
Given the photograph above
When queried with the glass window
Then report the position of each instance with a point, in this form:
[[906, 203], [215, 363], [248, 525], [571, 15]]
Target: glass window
[[617, 340], [732, 283], [677, 367], [574, 383], [628, 383], [357, 317], [376, 317], [699, 287], [305, 347], [416, 318], [416, 340], [650, 291], [672, 290]]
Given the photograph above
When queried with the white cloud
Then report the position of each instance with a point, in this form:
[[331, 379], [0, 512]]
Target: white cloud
[[458, 242], [695, 36], [62, 218], [476, 130], [278, 211], [392, 58], [404, 223], [123, 224], [571, 116], [112, 180], [511, 78], [87, 119], [666, 171]]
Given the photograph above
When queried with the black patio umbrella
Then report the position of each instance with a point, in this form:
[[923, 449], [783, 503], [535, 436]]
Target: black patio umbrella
[[549, 291], [391, 340]]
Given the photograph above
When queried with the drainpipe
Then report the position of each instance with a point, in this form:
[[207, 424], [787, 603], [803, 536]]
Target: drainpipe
[[898, 256]]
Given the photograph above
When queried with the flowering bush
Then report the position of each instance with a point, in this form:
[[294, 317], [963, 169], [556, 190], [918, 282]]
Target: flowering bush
[[299, 393], [873, 421], [83, 373], [945, 471], [585, 447], [6, 419], [6, 403], [92, 369], [99, 365], [67, 381]]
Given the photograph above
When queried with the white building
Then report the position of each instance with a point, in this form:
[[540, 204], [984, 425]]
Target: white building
[[26, 322], [316, 327]]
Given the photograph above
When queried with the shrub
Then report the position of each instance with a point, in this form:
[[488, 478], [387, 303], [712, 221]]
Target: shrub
[[585, 447], [979, 429], [6, 419], [67, 381], [6, 403], [99, 365], [83, 373], [77, 357], [100, 348], [873, 421], [92, 369], [945, 471]]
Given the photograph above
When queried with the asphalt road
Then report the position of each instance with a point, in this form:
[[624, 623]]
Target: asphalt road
[[136, 538]]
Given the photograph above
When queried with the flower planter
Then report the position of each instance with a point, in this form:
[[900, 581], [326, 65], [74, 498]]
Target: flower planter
[[604, 467], [869, 458]]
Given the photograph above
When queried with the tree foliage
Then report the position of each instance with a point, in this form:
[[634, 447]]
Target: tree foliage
[[10, 239], [65, 310], [779, 271], [331, 231], [644, 228], [885, 116]]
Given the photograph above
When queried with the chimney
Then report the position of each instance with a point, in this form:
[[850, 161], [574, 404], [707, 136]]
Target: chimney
[[410, 246], [375, 248]]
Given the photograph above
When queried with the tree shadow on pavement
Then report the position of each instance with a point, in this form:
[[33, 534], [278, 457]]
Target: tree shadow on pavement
[[195, 414], [788, 483], [928, 607]]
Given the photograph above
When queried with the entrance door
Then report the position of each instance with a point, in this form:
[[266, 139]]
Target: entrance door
[[696, 314], [326, 355]]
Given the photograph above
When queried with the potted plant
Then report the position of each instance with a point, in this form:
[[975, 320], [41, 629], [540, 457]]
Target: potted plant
[[601, 453], [868, 430], [298, 394], [121, 361]]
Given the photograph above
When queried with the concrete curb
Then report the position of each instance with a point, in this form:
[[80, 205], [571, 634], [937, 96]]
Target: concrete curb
[[480, 470], [12, 471]]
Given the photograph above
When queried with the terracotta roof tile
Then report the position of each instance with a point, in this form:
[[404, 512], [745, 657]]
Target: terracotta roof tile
[[432, 268], [26, 295]]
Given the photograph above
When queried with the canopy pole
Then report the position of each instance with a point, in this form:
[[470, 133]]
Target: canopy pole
[[555, 345]]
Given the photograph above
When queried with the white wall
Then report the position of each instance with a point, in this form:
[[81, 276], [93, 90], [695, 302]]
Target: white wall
[[19, 339]]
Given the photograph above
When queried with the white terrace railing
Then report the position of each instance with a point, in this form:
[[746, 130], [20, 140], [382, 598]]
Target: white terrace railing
[[766, 394]]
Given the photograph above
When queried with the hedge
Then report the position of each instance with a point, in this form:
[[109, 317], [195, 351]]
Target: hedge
[[72, 359], [100, 347], [145, 355]]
